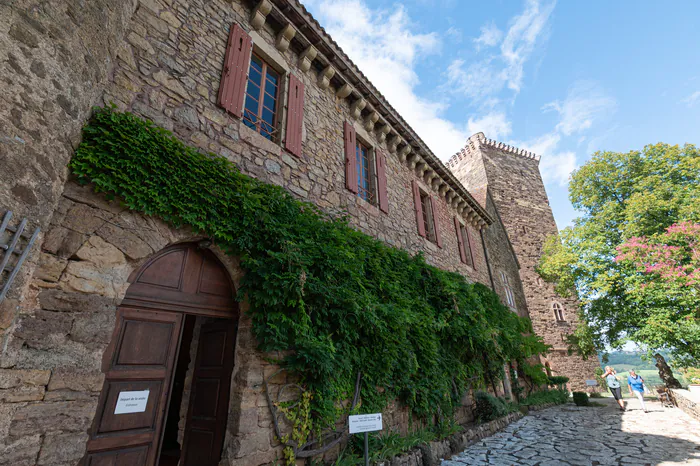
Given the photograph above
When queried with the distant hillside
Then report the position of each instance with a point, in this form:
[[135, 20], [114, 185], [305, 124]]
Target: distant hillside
[[623, 361]]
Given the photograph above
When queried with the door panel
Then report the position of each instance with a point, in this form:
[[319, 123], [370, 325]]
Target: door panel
[[146, 344], [211, 381]]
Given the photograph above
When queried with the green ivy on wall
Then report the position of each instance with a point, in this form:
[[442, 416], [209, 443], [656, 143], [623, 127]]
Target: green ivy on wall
[[337, 301]]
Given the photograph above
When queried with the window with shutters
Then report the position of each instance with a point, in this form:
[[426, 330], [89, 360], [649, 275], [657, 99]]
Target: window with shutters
[[427, 209], [468, 258], [261, 98], [558, 312], [510, 297], [366, 173]]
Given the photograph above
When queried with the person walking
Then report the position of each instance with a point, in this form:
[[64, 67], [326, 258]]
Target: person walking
[[636, 384], [613, 382]]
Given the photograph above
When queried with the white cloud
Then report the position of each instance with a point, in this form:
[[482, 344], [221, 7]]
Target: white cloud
[[490, 36], [555, 166], [523, 35], [584, 103], [692, 99], [490, 76], [494, 125], [454, 34], [385, 45]]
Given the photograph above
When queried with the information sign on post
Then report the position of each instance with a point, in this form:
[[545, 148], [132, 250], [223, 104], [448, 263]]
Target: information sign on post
[[363, 423]]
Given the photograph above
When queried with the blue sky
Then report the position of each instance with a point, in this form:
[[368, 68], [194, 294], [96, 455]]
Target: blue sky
[[562, 79]]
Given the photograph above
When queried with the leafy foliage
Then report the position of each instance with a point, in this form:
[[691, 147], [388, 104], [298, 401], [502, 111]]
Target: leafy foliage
[[557, 396], [558, 380], [334, 300], [628, 201], [581, 398], [488, 407]]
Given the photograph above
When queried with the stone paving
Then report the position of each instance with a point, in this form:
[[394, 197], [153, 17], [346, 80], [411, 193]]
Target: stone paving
[[568, 435]]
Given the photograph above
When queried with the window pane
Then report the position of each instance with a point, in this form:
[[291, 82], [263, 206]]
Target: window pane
[[269, 102], [268, 117], [270, 87]]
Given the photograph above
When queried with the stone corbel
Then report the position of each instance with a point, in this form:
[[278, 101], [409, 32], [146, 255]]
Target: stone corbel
[[344, 91], [450, 195], [392, 143], [403, 152], [324, 77], [371, 120], [260, 12], [383, 131], [357, 107], [443, 189], [429, 176], [413, 160], [421, 168], [306, 57], [461, 206], [437, 182], [284, 38]]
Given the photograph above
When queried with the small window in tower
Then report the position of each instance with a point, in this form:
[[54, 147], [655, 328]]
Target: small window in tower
[[510, 297], [558, 312]]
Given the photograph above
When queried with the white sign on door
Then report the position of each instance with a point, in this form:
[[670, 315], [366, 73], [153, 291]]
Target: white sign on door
[[365, 423], [131, 402]]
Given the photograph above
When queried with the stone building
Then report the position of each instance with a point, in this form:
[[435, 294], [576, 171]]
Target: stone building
[[109, 301], [509, 178]]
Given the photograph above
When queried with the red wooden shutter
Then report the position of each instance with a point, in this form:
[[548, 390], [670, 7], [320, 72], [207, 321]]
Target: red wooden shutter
[[350, 162], [460, 242], [234, 76], [295, 115], [433, 207], [471, 246], [381, 182], [418, 208]]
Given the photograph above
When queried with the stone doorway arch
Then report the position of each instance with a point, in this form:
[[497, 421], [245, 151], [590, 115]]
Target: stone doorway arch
[[176, 286]]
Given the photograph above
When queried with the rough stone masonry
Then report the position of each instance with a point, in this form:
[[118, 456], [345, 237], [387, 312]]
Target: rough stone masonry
[[163, 60]]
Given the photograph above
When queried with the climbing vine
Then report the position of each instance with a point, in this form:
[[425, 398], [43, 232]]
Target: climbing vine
[[338, 302]]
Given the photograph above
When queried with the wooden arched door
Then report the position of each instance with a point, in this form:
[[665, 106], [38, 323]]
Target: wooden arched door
[[139, 361]]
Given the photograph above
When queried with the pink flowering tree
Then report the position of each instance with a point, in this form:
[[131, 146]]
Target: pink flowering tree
[[663, 278]]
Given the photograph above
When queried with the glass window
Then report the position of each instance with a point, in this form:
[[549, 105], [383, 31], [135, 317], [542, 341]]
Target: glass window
[[510, 297], [558, 312], [262, 93], [427, 208], [366, 173], [467, 245]]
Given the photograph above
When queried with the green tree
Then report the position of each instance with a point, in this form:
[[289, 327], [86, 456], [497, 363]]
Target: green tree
[[626, 198]]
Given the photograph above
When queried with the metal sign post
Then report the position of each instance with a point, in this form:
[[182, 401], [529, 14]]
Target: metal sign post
[[365, 423]]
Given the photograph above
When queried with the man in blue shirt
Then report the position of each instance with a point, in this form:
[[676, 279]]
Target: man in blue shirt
[[636, 384]]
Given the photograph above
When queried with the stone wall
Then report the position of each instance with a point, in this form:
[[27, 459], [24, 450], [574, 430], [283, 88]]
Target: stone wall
[[59, 60], [511, 178], [54, 60], [687, 401]]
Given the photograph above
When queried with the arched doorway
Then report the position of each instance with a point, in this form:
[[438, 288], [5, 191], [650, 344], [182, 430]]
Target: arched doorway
[[181, 288]]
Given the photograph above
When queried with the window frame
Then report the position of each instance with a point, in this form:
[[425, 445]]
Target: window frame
[[510, 297], [428, 217], [558, 310], [467, 245], [276, 134], [372, 181]]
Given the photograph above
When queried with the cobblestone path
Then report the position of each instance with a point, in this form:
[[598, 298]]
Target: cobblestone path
[[568, 435]]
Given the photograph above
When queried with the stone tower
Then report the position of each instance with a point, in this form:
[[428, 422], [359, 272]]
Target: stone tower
[[512, 177]]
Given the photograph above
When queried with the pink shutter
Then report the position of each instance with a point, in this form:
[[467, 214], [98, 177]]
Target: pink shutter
[[472, 251], [295, 116], [433, 207], [350, 162], [418, 208], [460, 242], [381, 182], [234, 76]]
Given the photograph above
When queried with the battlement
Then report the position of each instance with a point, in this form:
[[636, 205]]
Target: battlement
[[479, 139]]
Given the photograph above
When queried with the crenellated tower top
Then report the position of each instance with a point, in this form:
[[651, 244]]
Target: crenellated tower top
[[480, 140]]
